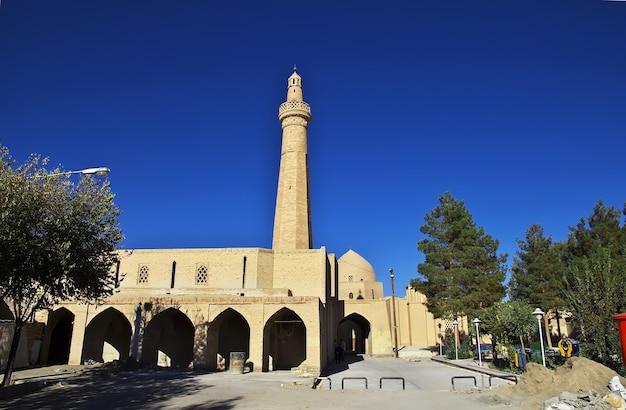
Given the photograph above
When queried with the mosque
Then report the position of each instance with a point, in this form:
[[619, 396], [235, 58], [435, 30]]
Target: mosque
[[280, 308]]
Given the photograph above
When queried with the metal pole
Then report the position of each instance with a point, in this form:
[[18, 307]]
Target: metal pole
[[539, 314], [480, 358], [393, 306], [543, 355], [456, 336]]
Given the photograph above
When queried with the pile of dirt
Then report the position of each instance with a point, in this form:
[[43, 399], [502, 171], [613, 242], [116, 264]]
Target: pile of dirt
[[539, 384]]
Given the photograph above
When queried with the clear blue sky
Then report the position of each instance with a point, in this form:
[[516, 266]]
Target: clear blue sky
[[518, 108]]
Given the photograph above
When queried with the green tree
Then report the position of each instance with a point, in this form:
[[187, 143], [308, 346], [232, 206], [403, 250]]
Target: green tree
[[537, 272], [601, 230], [595, 292], [462, 271], [508, 322], [595, 282], [58, 240]]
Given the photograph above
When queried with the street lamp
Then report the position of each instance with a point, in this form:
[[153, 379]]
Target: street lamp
[[538, 313], [393, 307], [456, 335], [476, 321], [100, 171]]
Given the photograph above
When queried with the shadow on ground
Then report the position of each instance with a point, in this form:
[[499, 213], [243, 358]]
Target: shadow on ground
[[106, 388], [341, 366]]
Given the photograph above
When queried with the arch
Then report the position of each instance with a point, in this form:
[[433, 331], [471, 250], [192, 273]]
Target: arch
[[284, 341], [111, 327], [354, 330], [60, 328], [168, 340], [228, 332], [5, 311]]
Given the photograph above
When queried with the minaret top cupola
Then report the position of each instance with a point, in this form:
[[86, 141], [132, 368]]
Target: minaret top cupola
[[295, 105]]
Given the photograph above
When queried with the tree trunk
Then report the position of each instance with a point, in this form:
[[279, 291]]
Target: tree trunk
[[17, 334]]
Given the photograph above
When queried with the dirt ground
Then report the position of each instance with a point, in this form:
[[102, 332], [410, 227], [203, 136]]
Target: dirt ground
[[539, 384]]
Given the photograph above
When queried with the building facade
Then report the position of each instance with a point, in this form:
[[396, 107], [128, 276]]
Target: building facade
[[282, 308]]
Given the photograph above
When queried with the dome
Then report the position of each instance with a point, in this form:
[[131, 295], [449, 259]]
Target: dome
[[352, 265]]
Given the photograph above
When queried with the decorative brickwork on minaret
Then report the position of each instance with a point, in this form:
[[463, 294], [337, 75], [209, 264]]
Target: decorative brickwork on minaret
[[292, 221]]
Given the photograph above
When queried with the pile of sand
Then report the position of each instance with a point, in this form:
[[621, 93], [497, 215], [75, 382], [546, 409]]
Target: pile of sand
[[539, 384]]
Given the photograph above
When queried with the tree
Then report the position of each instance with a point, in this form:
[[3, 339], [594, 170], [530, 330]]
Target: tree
[[58, 240], [462, 271], [601, 230], [595, 292], [508, 322], [595, 281], [537, 272]]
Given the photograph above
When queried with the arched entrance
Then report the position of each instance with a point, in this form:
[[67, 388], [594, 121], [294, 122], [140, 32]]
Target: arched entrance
[[5, 312], [228, 332], [354, 330], [284, 341], [107, 337], [168, 340], [60, 326]]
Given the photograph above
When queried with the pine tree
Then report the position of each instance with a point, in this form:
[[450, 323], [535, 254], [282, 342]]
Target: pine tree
[[537, 272], [462, 271]]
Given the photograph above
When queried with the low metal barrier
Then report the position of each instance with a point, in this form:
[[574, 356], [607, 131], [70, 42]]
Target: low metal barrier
[[354, 378], [380, 383], [318, 380], [462, 377]]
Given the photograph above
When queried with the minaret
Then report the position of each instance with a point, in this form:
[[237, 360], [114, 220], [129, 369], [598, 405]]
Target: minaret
[[292, 221]]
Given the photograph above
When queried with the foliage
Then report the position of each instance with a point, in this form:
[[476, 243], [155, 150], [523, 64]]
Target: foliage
[[595, 292], [58, 239], [537, 271], [463, 345], [506, 322], [462, 271], [595, 282]]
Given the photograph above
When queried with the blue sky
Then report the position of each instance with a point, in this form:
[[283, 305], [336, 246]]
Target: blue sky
[[518, 108]]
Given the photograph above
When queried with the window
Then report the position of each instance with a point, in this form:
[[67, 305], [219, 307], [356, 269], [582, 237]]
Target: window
[[142, 277], [202, 275], [350, 295]]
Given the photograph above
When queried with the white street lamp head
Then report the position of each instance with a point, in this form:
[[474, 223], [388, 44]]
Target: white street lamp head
[[538, 313], [100, 171], [391, 273], [476, 321]]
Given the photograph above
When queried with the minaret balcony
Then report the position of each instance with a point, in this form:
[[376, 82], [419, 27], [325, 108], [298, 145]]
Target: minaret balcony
[[298, 108]]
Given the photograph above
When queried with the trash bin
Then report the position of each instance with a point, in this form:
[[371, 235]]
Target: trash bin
[[237, 361], [621, 321]]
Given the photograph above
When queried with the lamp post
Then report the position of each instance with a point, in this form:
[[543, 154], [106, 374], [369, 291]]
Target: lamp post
[[100, 171], [538, 313], [440, 352], [393, 307], [476, 321], [456, 346]]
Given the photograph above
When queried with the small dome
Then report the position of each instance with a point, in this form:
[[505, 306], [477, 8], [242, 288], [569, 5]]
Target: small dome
[[352, 265]]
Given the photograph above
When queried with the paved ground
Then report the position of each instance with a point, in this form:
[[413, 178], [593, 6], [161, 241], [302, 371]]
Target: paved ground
[[427, 386]]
